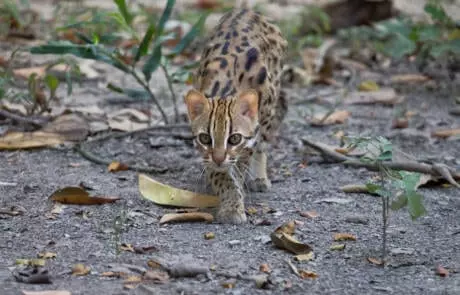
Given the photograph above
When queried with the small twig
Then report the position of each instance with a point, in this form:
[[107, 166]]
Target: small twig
[[173, 94], [384, 213], [151, 95], [21, 119], [292, 267], [96, 159], [151, 128], [437, 170]]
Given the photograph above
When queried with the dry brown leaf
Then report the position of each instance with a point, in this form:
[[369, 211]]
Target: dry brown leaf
[[186, 217], [27, 140], [55, 211], [228, 285], [251, 210], [337, 117], [47, 255], [152, 263], [128, 120], [144, 249], [116, 166], [132, 279], [70, 126], [209, 235], [25, 73], [309, 214], [80, 269], [304, 257], [264, 267], [306, 274], [400, 123], [337, 247], [65, 128], [409, 78], [48, 292], [158, 276], [289, 243], [31, 262], [344, 237], [385, 96], [368, 85], [375, 261], [441, 271], [287, 228], [127, 247], [78, 196], [446, 133], [352, 64], [162, 194], [113, 274]]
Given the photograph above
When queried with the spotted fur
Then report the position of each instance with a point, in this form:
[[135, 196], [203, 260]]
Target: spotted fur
[[236, 106]]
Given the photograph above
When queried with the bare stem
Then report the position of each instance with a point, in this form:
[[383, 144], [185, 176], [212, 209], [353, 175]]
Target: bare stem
[[439, 171], [152, 97], [173, 94], [384, 214]]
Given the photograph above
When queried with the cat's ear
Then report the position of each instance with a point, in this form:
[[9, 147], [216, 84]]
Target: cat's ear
[[248, 103], [196, 103]]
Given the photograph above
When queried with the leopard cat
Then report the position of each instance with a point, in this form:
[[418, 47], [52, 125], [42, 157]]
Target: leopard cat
[[236, 106]]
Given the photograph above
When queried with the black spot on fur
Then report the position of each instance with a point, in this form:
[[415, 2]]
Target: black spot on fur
[[216, 46], [246, 30], [220, 34], [228, 36], [226, 88], [262, 75], [245, 44], [223, 62], [235, 33], [215, 88], [252, 55], [239, 49], [240, 78], [225, 48]]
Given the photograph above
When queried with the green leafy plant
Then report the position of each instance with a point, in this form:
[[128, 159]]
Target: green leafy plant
[[151, 46], [402, 37], [397, 189], [300, 33]]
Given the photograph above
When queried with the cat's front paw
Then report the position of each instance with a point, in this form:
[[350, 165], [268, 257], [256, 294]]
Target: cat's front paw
[[231, 217], [260, 185]]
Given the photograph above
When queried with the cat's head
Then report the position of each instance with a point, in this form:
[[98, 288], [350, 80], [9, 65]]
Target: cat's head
[[225, 129]]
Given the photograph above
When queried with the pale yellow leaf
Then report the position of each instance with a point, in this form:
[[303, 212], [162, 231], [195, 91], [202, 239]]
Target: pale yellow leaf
[[162, 194], [80, 269], [186, 217]]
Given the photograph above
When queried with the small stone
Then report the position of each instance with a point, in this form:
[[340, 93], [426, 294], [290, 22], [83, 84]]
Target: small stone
[[399, 251], [358, 219], [234, 242]]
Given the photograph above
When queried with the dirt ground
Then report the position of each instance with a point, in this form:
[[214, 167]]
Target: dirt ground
[[89, 234]]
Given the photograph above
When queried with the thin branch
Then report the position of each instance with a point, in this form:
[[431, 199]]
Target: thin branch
[[151, 95], [173, 94], [167, 128], [436, 170], [21, 119], [96, 159]]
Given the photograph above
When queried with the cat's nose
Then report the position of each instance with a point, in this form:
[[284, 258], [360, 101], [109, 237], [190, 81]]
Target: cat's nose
[[218, 158]]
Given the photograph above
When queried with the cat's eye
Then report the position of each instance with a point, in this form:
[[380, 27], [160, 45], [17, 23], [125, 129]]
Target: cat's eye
[[204, 138], [235, 139]]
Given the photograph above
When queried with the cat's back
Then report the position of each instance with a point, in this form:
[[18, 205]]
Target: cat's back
[[242, 51]]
